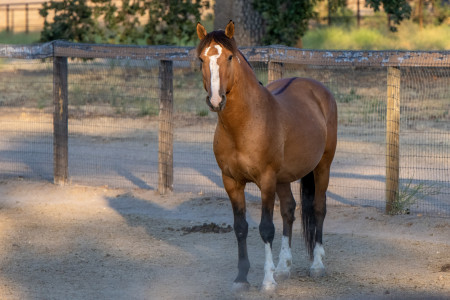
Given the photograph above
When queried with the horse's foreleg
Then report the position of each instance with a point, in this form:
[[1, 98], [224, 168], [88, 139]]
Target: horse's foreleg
[[287, 208], [235, 191], [267, 229]]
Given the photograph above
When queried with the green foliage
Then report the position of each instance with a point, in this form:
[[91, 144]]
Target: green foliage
[[398, 10], [286, 21], [172, 21], [169, 21], [18, 37], [441, 12], [409, 194], [344, 17], [202, 113], [72, 21], [348, 97], [408, 37]]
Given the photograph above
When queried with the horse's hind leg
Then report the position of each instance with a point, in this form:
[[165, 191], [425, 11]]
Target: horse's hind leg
[[287, 209], [321, 179], [235, 191]]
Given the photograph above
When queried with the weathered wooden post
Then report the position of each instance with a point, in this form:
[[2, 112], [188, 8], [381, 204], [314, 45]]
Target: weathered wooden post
[[275, 70], [60, 121], [392, 137], [165, 152]]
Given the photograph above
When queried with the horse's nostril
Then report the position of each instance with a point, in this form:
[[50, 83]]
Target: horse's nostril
[[222, 103]]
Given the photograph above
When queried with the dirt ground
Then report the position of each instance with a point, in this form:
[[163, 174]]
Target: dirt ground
[[77, 242]]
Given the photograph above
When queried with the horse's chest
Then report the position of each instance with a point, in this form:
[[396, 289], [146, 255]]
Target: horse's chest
[[237, 165]]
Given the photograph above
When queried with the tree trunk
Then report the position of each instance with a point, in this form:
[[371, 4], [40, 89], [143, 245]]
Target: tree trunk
[[421, 14], [249, 24]]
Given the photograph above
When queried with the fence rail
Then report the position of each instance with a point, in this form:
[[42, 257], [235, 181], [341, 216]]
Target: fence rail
[[276, 58], [260, 54]]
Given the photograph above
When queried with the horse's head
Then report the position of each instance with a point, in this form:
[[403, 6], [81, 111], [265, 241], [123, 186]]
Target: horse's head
[[217, 52]]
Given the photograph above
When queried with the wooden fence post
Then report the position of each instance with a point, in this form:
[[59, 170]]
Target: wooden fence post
[[27, 25], [60, 121], [275, 70], [7, 17], [165, 153], [392, 137]]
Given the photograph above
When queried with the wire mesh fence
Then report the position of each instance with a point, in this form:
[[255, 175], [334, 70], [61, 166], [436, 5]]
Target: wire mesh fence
[[115, 112]]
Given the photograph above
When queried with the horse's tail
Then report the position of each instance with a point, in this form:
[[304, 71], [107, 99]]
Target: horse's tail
[[308, 217]]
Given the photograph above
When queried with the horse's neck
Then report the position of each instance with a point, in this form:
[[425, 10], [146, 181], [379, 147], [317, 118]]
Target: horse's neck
[[248, 101]]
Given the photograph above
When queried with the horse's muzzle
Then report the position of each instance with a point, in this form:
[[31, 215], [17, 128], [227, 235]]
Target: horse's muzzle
[[218, 108]]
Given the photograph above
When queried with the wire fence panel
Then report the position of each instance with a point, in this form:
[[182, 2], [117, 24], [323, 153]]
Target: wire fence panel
[[113, 129], [115, 114], [425, 138], [26, 130]]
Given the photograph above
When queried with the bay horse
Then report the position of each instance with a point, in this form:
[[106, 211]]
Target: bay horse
[[271, 136]]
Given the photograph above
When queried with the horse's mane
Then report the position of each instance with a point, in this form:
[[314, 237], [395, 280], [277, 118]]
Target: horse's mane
[[219, 37]]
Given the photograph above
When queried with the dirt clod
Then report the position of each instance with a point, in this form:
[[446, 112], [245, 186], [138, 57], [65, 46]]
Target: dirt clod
[[445, 268], [207, 228]]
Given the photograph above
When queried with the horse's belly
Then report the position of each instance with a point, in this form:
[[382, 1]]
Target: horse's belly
[[301, 159]]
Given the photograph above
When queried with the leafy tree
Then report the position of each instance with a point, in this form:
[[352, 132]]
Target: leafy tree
[[397, 10], [72, 21], [105, 18], [286, 21], [129, 27], [441, 9], [169, 21], [172, 21]]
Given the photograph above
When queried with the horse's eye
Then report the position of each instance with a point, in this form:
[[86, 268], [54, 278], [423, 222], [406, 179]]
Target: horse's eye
[[230, 57]]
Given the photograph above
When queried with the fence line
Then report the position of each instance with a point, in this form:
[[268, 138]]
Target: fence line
[[277, 58], [25, 9], [280, 54]]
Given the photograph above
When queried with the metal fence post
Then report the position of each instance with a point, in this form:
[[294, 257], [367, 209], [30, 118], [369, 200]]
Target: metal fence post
[[60, 121], [165, 153], [392, 137]]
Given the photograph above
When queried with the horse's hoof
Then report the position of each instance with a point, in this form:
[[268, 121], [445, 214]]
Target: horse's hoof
[[269, 287], [240, 287], [317, 272], [281, 275]]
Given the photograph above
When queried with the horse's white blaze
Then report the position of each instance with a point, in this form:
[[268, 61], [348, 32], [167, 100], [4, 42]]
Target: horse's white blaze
[[285, 262], [319, 252], [215, 77], [269, 268]]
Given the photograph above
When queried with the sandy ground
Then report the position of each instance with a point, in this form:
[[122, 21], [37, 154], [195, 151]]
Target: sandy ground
[[77, 242]]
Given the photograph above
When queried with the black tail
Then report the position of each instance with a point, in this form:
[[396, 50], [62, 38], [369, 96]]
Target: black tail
[[308, 218]]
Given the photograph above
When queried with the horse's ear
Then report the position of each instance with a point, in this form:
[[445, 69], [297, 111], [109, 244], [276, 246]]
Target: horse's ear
[[201, 31], [229, 30]]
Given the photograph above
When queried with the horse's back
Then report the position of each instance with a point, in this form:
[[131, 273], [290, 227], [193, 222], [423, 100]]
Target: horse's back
[[296, 93]]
